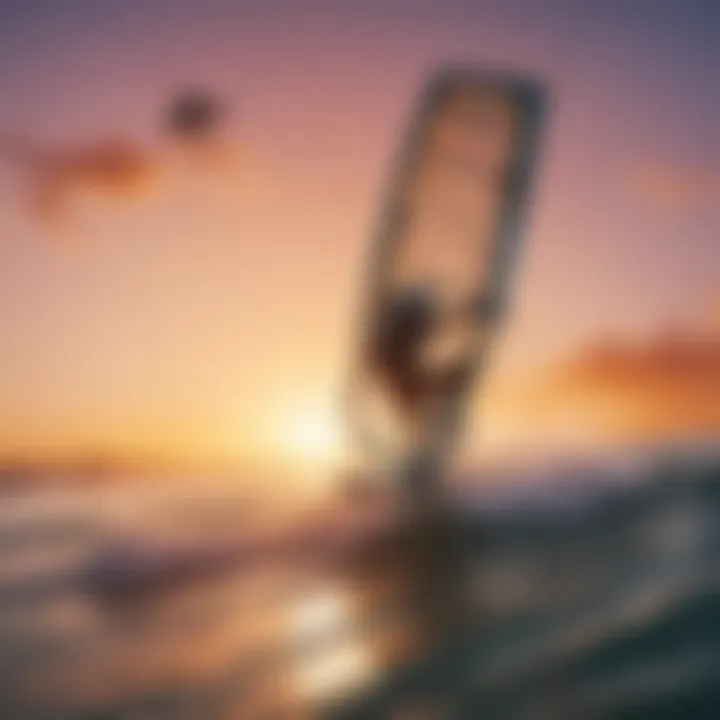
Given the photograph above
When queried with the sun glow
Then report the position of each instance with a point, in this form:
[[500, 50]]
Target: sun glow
[[311, 433]]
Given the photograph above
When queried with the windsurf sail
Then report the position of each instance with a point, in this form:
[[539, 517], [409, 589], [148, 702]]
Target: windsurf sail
[[441, 267]]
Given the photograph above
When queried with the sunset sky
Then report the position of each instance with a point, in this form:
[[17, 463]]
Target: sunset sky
[[211, 318]]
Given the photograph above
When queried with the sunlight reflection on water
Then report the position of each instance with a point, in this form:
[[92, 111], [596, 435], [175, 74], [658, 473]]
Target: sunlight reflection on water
[[624, 589], [339, 668]]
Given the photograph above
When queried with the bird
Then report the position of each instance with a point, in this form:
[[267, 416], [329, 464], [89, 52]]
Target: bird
[[193, 114]]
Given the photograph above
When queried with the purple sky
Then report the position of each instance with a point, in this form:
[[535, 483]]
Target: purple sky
[[197, 326]]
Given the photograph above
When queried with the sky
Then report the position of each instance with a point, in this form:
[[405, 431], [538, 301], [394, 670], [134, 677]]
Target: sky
[[210, 316]]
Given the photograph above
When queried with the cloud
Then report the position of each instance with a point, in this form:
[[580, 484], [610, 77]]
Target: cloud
[[668, 387], [672, 186], [665, 388], [712, 315], [115, 168]]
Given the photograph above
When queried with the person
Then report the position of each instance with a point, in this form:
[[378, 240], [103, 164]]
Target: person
[[409, 321]]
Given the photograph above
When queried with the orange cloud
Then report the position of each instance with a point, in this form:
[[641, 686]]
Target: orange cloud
[[674, 186], [666, 388], [114, 168], [713, 313]]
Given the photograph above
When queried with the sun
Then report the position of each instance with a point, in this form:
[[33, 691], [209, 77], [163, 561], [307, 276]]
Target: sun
[[311, 433]]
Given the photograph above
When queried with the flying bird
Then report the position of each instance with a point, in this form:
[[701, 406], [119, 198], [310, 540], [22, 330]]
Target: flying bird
[[194, 114]]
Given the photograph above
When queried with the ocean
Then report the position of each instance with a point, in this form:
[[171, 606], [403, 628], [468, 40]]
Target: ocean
[[587, 592]]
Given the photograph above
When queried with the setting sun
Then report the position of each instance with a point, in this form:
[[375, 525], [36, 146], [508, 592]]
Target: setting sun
[[311, 433]]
